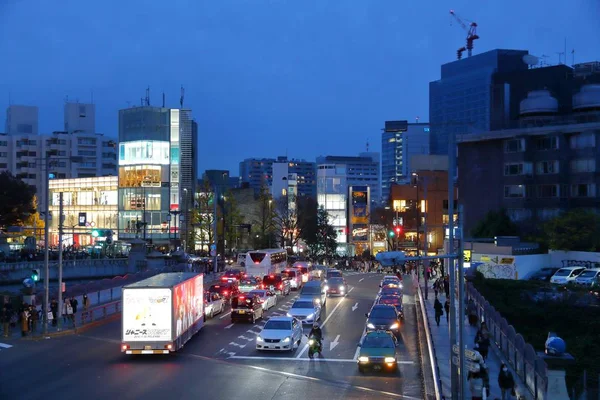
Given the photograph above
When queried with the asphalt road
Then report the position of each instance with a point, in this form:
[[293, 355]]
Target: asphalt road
[[221, 362]]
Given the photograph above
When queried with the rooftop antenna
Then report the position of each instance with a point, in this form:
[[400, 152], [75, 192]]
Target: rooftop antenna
[[148, 96], [128, 104], [182, 96], [417, 119], [367, 145], [543, 62], [66, 98], [142, 101], [163, 100], [573, 57]]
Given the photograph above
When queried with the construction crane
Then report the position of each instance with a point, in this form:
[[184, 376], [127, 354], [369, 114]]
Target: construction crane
[[471, 35]]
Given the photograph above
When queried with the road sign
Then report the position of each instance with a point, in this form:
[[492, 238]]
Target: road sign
[[469, 354], [471, 366], [213, 247]]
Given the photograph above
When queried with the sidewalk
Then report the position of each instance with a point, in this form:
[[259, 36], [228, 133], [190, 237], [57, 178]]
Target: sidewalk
[[67, 327], [440, 336]]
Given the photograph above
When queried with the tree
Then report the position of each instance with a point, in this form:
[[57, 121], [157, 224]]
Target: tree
[[232, 219], [16, 199], [263, 231], [384, 216], [34, 221], [495, 223], [321, 240], [575, 230], [203, 217], [287, 224]]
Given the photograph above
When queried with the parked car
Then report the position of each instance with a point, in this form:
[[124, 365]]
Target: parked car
[[587, 277], [543, 274], [566, 275]]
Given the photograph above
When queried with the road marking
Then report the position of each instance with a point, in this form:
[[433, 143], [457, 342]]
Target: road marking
[[323, 324], [237, 345], [316, 359], [5, 346], [354, 307], [245, 338], [224, 315], [335, 342], [351, 289], [361, 279], [229, 326]]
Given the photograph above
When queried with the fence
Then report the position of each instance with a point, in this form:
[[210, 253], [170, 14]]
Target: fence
[[521, 356], [431, 358], [98, 313], [78, 263]]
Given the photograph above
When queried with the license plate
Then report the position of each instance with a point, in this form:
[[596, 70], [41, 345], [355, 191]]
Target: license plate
[[271, 287], [147, 347], [376, 367], [241, 312]]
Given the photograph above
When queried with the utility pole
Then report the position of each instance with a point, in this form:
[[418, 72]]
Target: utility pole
[[46, 248], [425, 244], [454, 383], [215, 233], [60, 256], [461, 304]]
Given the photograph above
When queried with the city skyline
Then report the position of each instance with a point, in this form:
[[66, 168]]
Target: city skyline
[[270, 67]]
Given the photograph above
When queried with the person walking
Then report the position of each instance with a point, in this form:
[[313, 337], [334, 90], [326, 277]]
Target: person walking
[[24, 322], [439, 310], [506, 382], [447, 308], [6, 316], [476, 385]]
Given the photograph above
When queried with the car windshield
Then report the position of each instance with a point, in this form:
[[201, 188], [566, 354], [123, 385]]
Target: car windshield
[[303, 304], [383, 312], [311, 290], [271, 280], [332, 274], [390, 282], [378, 342], [280, 325], [336, 281], [291, 274], [259, 293], [563, 272], [588, 274], [390, 300], [241, 302], [248, 282]]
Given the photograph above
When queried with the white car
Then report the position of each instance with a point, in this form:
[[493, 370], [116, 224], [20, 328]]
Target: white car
[[213, 304], [305, 311], [280, 333], [268, 298], [566, 275]]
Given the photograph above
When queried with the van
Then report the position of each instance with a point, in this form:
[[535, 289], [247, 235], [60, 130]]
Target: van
[[587, 277], [316, 291], [566, 275]]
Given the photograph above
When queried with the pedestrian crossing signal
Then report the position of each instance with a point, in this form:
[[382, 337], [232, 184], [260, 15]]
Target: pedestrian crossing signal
[[35, 275]]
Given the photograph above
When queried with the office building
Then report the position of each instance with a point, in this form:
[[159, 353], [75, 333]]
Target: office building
[[80, 118], [363, 170], [259, 172], [23, 153], [534, 172], [400, 141], [88, 204], [461, 100], [156, 174], [21, 120]]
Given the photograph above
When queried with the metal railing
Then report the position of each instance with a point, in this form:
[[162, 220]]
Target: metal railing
[[77, 263], [521, 356], [98, 313], [435, 370]]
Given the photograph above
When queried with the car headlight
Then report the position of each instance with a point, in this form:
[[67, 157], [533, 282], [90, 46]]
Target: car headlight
[[318, 300], [363, 359], [395, 325], [389, 360], [326, 288], [370, 326], [286, 340], [311, 342], [259, 339], [341, 288], [310, 316]]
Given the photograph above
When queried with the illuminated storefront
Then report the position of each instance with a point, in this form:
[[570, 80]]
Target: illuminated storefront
[[88, 203], [359, 209]]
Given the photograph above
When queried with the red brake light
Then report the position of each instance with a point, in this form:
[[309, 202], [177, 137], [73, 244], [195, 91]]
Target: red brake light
[[256, 262], [225, 292], [271, 276], [242, 297]]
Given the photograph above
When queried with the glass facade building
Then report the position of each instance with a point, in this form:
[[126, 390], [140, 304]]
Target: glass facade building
[[156, 173], [460, 102], [258, 172]]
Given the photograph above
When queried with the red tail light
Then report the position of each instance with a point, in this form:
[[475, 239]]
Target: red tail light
[[226, 293], [242, 297], [281, 286], [256, 262], [271, 276]]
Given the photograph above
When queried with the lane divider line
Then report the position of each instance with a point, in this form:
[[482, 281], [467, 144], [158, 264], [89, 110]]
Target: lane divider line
[[323, 324]]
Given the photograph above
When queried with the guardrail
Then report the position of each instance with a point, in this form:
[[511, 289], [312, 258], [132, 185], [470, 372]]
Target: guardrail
[[98, 313], [435, 370], [77, 263], [521, 356]]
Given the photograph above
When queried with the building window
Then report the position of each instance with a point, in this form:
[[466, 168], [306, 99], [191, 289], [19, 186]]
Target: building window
[[3, 143], [517, 169], [583, 190], [514, 145], [548, 191], [548, 213], [86, 141], [547, 167], [62, 153], [583, 165], [514, 191], [583, 141], [3, 154], [399, 205], [90, 153], [518, 214], [547, 143], [3, 165]]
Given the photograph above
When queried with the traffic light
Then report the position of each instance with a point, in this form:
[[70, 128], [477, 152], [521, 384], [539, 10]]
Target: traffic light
[[35, 275], [95, 233], [398, 230], [391, 233]]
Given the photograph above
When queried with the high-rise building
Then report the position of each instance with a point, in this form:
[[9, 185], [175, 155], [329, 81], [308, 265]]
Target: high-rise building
[[21, 120], [461, 101], [260, 172], [80, 118], [400, 141], [24, 154], [156, 173], [363, 170]]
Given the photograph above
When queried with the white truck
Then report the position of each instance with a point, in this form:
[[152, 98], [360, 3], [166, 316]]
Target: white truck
[[161, 313]]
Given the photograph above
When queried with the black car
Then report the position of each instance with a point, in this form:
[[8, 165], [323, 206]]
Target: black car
[[337, 286], [277, 283], [226, 289], [245, 307], [543, 274], [383, 317]]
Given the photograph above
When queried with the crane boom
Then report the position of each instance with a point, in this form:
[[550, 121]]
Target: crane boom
[[471, 34]]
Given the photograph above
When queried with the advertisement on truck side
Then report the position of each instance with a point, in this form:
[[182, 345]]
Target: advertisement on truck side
[[188, 303], [147, 315]]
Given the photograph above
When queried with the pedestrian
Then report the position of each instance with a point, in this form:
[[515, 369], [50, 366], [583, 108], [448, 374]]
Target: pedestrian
[[472, 312], [54, 312], [447, 286], [24, 322], [439, 310], [484, 345], [86, 302], [506, 382], [447, 308], [6, 316], [476, 385]]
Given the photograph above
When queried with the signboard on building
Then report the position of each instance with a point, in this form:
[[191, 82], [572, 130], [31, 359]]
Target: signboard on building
[[360, 233], [82, 219]]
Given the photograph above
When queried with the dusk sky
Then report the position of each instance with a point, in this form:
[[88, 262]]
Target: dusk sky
[[310, 77]]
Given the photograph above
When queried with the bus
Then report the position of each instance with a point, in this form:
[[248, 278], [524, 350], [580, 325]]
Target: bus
[[264, 262]]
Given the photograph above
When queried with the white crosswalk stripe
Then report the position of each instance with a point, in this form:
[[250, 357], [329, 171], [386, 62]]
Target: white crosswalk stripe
[[5, 346]]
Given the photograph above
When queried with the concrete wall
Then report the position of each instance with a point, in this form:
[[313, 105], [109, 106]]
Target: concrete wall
[[558, 256]]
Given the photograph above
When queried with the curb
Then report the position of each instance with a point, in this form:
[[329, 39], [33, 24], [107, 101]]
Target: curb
[[81, 329]]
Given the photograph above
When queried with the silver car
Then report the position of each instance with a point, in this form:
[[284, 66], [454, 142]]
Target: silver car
[[280, 333], [305, 311], [268, 298]]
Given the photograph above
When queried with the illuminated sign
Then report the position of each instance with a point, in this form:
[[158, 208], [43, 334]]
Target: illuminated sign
[[144, 152], [360, 233], [467, 256]]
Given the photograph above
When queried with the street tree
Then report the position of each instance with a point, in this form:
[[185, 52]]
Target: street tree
[[321, 239], [203, 216], [16, 200], [287, 224], [264, 229], [495, 223], [576, 230], [34, 221], [232, 219]]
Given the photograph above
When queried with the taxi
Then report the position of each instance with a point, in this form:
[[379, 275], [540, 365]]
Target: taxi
[[377, 351]]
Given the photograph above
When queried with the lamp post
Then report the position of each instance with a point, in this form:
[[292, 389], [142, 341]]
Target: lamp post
[[47, 160], [417, 180], [169, 227], [185, 217]]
